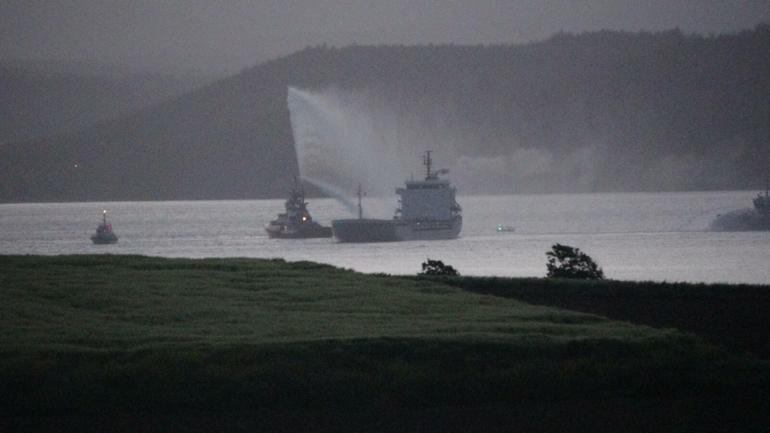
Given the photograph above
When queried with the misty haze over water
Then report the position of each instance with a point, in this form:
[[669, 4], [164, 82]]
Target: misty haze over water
[[594, 112], [643, 236]]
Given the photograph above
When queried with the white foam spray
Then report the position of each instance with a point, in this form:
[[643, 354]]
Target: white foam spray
[[339, 147], [345, 138]]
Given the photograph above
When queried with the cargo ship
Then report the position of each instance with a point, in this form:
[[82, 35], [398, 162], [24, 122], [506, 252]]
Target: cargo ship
[[428, 211], [757, 219]]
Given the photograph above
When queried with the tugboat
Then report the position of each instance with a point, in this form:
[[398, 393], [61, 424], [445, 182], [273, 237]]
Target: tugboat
[[104, 233], [428, 211], [757, 219], [296, 222]]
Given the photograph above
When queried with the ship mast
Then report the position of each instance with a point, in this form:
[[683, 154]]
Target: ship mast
[[427, 162], [300, 190], [360, 193]]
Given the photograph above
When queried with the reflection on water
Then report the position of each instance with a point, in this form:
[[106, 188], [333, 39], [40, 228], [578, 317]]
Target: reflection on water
[[656, 236]]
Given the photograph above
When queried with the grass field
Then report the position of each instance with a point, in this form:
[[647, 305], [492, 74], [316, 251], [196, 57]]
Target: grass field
[[234, 344], [734, 317]]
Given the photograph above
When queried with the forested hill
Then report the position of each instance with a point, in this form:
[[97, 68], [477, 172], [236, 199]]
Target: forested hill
[[605, 111], [40, 100]]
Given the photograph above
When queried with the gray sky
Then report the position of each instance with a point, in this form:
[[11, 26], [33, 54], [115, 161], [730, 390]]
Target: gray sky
[[227, 35]]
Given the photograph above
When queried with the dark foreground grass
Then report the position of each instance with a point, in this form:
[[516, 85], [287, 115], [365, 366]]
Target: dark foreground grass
[[129, 343], [735, 317]]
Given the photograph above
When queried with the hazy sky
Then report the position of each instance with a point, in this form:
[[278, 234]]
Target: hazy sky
[[227, 35]]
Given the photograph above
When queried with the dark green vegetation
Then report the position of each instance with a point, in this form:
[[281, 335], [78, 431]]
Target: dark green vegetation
[[564, 261], [605, 111], [735, 317], [437, 267], [127, 343]]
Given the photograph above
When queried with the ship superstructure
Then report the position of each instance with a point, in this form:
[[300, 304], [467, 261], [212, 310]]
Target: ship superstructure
[[762, 203], [427, 210]]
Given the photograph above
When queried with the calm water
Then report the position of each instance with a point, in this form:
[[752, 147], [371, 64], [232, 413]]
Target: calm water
[[656, 236]]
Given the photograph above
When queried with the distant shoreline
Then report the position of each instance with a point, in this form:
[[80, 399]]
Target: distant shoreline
[[459, 194]]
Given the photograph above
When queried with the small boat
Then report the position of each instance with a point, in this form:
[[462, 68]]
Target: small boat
[[296, 222], [505, 228], [104, 233]]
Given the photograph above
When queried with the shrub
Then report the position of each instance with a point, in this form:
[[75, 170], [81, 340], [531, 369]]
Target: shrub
[[437, 267], [565, 261]]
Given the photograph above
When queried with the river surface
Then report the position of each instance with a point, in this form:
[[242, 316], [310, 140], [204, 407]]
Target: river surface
[[633, 236]]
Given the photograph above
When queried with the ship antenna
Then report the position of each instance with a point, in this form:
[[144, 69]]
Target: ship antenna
[[104, 216]]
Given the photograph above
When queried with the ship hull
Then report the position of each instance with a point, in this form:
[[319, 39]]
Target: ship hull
[[104, 239], [741, 220], [302, 232], [364, 230], [377, 230]]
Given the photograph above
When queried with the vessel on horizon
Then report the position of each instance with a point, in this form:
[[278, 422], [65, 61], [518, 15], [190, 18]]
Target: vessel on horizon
[[296, 222], [104, 233], [428, 211], [757, 219]]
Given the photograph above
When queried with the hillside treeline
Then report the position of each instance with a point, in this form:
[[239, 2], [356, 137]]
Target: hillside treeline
[[602, 111], [41, 100]]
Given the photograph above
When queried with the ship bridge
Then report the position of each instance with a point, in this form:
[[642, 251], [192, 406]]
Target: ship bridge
[[425, 184]]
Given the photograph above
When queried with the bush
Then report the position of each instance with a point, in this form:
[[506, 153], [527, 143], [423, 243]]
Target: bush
[[437, 267], [565, 261]]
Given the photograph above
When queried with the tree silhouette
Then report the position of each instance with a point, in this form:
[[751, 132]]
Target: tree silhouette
[[437, 267], [565, 261]]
